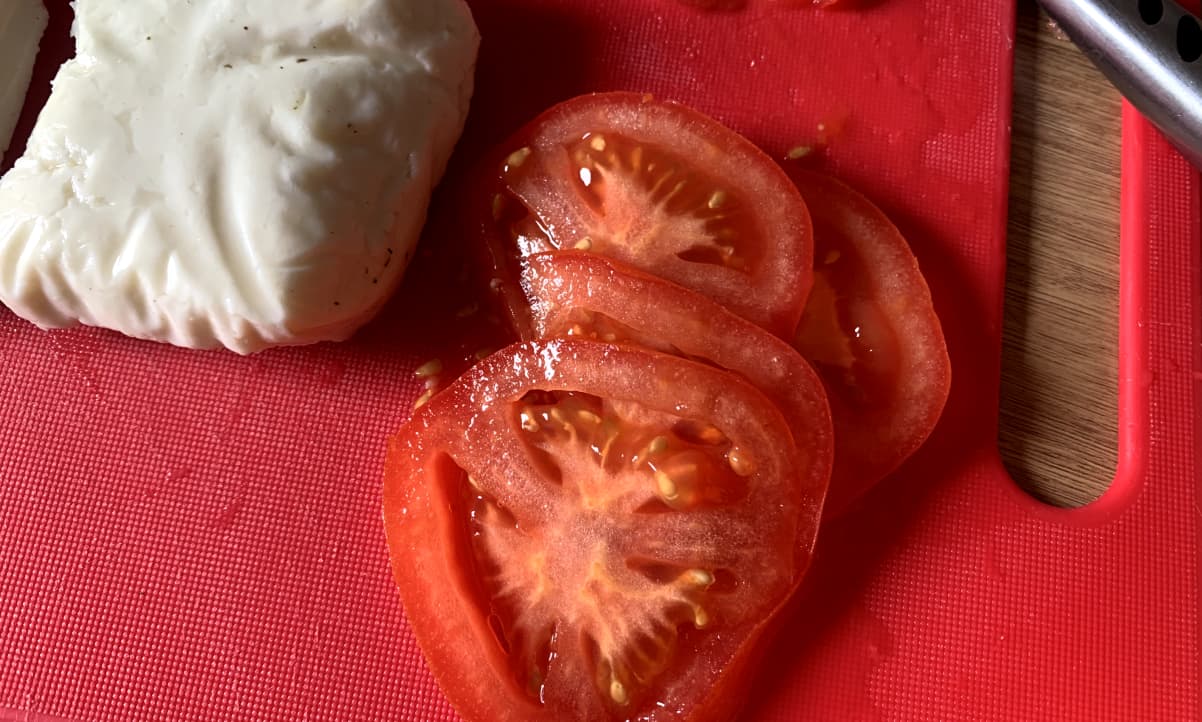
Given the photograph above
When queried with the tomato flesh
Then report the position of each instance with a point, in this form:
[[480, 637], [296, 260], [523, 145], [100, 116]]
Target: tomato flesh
[[847, 332], [660, 187], [608, 542], [871, 331]]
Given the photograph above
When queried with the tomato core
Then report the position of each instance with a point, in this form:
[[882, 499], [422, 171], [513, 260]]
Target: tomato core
[[627, 608]]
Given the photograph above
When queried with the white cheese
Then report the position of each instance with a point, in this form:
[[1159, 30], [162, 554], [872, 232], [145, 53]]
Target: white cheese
[[245, 173], [22, 23]]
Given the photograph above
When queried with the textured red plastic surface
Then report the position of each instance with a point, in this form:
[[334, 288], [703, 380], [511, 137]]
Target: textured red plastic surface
[[197, 536]]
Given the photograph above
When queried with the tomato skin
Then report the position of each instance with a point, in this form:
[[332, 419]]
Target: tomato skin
[[774, 238], [435, 584], [666, 317], [411, 516], [868, 281]]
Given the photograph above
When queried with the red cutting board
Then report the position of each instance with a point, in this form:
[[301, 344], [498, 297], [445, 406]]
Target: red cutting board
[[197, 536]]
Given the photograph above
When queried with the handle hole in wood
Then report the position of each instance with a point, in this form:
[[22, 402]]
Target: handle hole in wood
[[1058, 431]]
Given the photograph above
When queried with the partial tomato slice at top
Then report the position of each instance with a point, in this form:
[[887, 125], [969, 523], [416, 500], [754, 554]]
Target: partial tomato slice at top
[[586, 531], [575, 293], [660, 187], [871, 332]]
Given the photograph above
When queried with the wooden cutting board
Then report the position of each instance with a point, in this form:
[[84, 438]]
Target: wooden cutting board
[[1059, 415]]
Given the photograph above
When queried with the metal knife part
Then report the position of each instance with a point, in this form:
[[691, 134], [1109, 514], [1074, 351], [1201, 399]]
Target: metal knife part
[[1147, 49]]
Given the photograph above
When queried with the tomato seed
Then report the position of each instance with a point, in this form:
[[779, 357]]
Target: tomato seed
[[433, 367], [658, 445], [799, 152], [589, 416], [617, 692], [667, 487], [739, 462], [711, 435], [528, 422], [517, 158]]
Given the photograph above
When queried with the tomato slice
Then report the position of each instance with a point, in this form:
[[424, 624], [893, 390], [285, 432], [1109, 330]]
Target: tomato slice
[[660, 187], [591, 531], [871, 332], [576, 293]]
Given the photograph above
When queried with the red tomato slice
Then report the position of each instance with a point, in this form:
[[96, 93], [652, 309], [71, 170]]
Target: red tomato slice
[[590, 531], [871, 332], [576, 293], [660, 187]]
